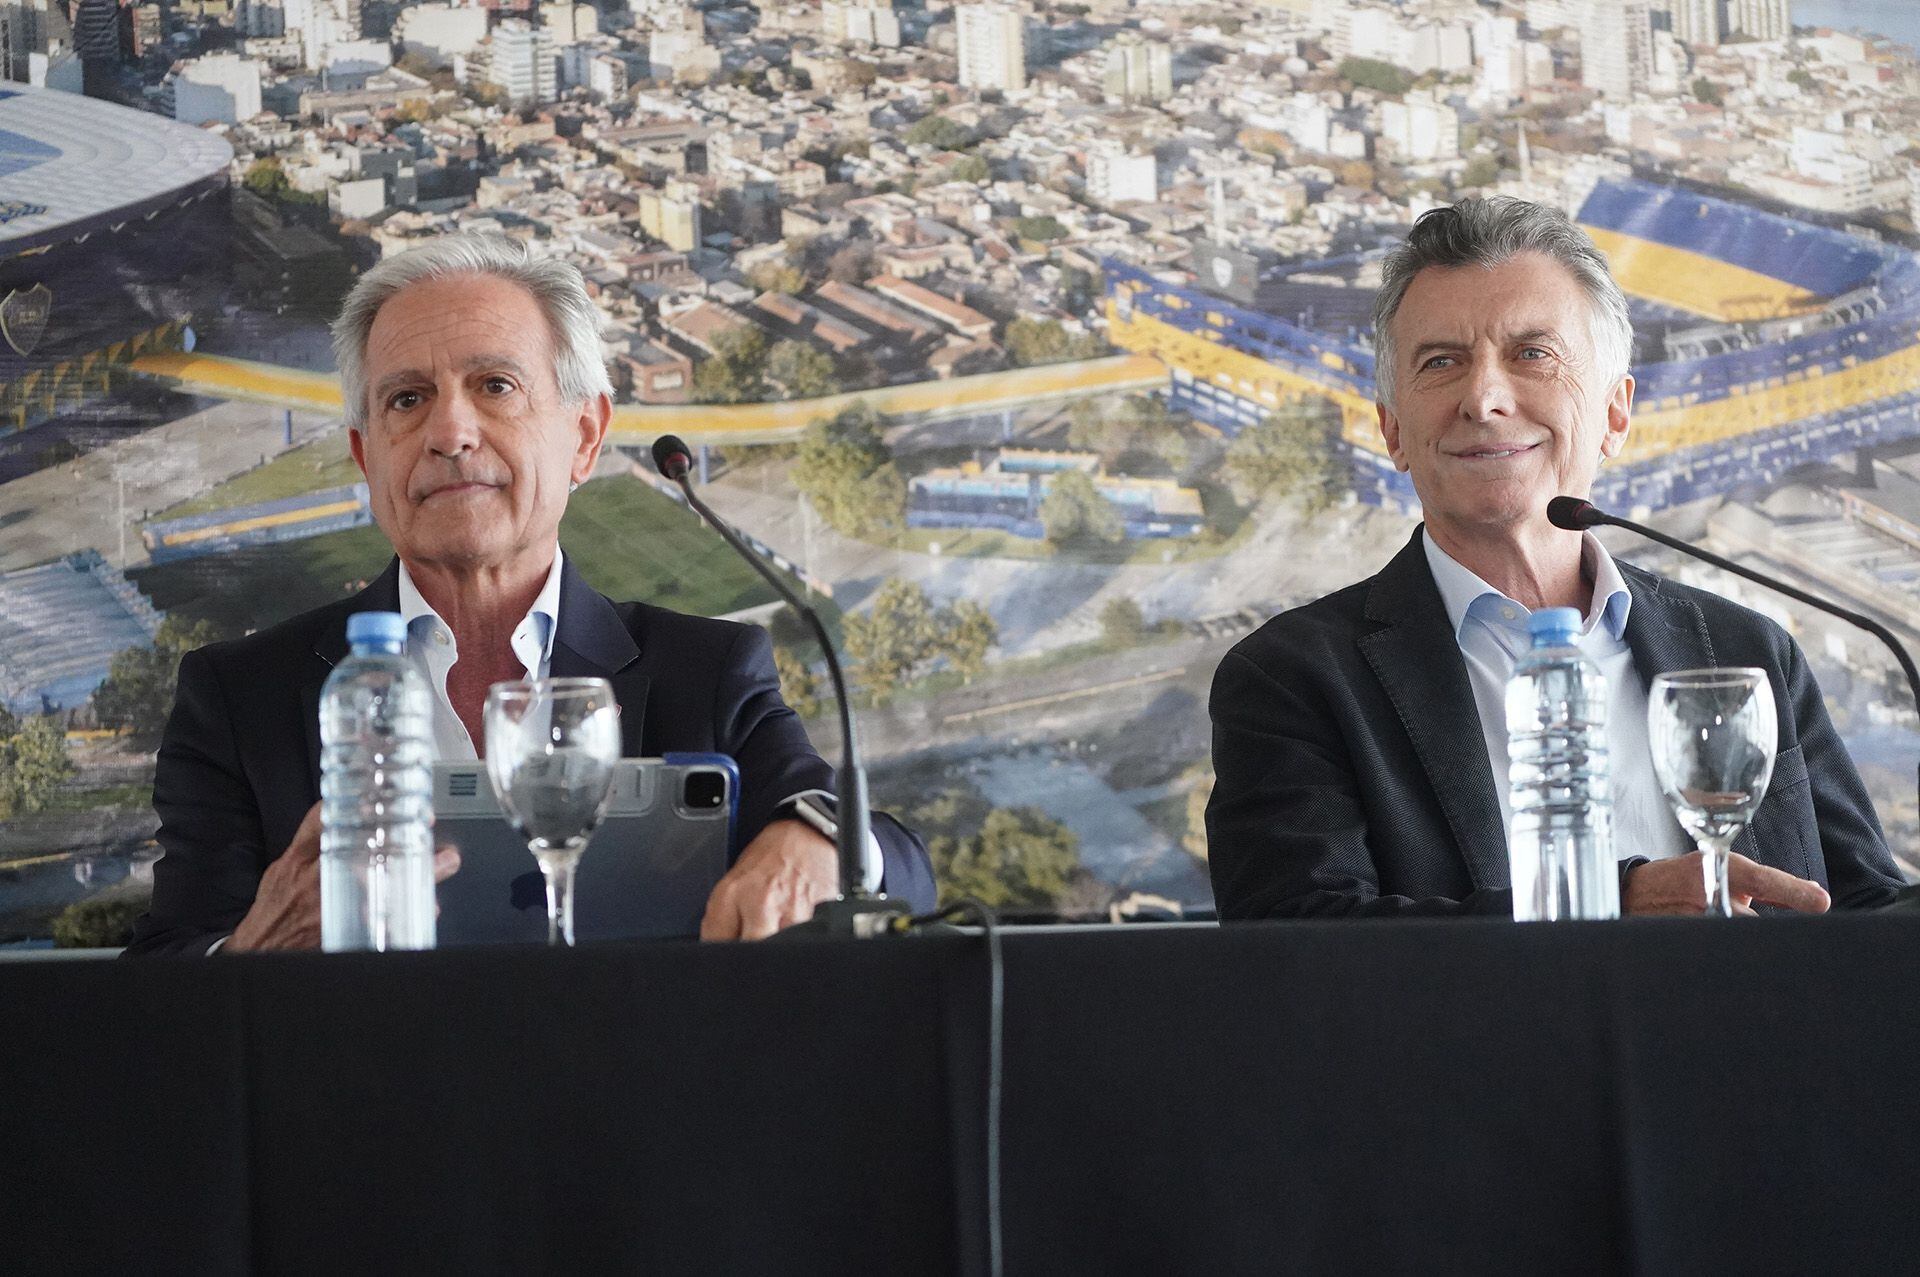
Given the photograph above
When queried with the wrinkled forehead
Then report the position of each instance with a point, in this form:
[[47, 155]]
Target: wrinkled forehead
[[457, 317], [1525, 295]]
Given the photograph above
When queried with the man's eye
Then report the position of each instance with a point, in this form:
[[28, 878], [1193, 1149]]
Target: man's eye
[[403, 400], [1438, 361], [498, 386], [1535, 352]]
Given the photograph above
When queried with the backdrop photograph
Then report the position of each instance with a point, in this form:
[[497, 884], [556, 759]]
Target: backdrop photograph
[[1032, 340]]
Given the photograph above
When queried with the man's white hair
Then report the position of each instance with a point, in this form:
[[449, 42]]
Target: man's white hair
[[1487, 232], [573, 321]]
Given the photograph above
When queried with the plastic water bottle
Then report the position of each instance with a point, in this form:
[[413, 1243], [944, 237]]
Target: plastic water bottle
[[376, 794], [1560, 843]]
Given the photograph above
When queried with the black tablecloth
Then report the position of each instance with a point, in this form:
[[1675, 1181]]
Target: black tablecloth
[[1650, 1096]]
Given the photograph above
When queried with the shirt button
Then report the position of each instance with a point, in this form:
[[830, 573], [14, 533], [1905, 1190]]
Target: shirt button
[[440, 637], [1508, 612]]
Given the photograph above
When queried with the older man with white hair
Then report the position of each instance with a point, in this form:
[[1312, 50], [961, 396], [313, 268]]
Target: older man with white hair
[[1360, 741], [476, 400]]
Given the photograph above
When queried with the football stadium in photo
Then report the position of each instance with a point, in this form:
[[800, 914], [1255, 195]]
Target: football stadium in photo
[[103, 212], [1762, 343]]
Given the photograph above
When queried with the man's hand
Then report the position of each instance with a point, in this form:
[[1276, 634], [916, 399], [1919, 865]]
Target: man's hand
[[286, 910], [784, 872], [1679, 886]]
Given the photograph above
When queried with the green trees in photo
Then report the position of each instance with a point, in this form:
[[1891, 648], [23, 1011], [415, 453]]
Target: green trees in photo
[[1047, 341], [799, 685], [846, 470], [964, 631], [102, 922], [1371, 73], [1043, 228], [737, 373], [970, 168], [778, 277], [138, 692], [804, 372], [902, 637], [1021, 858], [1290, 456], [33, 762], [1122, 623], [1074, 512], [1138, 423], [938, 132]]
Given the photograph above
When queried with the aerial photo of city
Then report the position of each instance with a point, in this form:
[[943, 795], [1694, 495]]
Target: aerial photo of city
[[1032, 338]]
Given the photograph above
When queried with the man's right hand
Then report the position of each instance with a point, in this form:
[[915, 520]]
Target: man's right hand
[[1679, 886], [286, 911]]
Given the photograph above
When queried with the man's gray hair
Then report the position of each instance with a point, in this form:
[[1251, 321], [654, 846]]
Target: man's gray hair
[[573, 321], [1487, 232]]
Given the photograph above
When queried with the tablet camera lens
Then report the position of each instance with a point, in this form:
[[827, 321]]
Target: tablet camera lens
[[704, 791]]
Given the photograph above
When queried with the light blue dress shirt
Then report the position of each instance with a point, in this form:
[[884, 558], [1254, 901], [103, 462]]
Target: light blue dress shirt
[[1492, 632]]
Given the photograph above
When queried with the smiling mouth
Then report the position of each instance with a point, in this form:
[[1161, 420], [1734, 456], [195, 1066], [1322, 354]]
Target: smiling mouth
[[1496, 454]]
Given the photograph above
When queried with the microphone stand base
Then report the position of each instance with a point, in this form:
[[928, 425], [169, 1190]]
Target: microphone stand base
[[849, 918]]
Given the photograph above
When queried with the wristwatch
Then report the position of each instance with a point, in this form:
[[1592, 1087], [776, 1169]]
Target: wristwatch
[[817, 809], [814, 809]]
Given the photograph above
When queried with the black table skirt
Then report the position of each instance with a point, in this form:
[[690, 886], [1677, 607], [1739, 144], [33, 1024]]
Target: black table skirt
[[1652, 1096]]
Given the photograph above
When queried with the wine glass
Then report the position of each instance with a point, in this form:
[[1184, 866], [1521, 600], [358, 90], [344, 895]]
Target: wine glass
[[552, 744], [1713, 734]]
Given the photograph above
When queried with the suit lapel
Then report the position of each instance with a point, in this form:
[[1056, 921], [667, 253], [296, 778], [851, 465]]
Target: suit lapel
[[1417, 660], [1664, 633], [591, 641]]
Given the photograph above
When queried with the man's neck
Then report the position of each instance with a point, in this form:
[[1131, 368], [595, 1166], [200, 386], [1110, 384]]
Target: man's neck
[[1534, 566], [482, 606]]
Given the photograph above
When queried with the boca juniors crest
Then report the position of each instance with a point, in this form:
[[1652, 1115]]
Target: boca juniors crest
[[23, 317]]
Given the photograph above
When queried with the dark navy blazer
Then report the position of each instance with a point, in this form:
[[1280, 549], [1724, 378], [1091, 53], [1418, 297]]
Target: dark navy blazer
[[1353, 777], [239, 764]]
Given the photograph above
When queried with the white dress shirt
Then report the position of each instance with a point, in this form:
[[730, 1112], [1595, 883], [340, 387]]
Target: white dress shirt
[[430, 641], [1492, 632]]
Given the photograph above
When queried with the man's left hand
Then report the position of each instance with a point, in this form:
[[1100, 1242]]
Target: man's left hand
[[783, 873]]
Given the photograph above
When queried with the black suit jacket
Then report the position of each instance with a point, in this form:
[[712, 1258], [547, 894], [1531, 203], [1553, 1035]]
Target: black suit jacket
[[239, 764], [1353, 777]]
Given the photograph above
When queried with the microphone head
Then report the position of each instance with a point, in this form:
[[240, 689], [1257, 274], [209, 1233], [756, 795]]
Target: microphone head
[[1572, 513], [671, 457]]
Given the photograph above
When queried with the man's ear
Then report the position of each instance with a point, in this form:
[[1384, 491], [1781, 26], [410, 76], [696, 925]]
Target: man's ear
[[596, 415], [1390, 433], [357, 445], [1619, 417]]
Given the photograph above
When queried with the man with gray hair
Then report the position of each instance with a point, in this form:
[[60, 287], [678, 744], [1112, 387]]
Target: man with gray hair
[[476, 400], [1360, 741]]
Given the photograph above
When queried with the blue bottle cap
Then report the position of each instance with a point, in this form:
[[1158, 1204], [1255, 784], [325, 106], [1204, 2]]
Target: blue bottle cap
[[1552, 625], [376, 629]]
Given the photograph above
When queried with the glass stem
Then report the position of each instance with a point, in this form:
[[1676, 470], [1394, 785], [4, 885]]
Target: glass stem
[[1713, 864], [557, 866]]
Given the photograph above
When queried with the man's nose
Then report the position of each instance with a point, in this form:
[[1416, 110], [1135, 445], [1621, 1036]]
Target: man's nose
[[1487, 392], [453, 424]]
